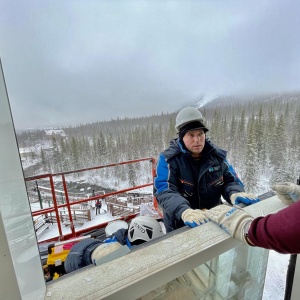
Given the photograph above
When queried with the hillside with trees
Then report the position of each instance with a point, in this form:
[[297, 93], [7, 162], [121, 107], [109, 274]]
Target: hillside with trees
[[261, 135]]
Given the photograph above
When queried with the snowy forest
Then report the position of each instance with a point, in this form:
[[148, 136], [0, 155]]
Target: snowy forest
[[261, 135]]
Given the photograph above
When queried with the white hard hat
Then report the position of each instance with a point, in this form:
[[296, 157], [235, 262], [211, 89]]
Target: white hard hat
[[187, 115], [144, 229]]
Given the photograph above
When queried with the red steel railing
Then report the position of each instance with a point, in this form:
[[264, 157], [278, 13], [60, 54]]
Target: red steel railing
[[68, 204]]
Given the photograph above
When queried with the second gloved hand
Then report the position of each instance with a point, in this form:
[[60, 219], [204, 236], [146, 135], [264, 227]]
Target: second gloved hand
[[230, 219], [287, 192], [194, 217], [244, 198]]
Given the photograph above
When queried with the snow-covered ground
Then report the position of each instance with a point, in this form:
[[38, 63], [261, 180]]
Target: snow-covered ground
[[52, 231]]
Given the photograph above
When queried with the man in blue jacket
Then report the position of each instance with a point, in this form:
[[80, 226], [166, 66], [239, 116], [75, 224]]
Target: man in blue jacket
[[193, 174]]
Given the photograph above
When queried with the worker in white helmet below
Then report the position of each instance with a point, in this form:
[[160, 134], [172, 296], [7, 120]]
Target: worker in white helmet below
[[141, 229], [193, 174]]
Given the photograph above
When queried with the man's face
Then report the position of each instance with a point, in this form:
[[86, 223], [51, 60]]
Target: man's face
[[194, 141]]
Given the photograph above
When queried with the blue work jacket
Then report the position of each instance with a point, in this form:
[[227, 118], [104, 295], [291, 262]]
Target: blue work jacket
[[182, 183]]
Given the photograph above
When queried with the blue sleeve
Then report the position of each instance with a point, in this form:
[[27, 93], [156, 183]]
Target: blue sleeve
[[166, 190], [161, 183], [232, 182]]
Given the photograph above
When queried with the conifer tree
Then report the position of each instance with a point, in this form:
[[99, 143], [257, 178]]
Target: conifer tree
[[74, 153], [251, 158], [296, 145], [240, 143], [232, 140], [259, 135], [43, 160], [279, 154], [271, 138], [171, 133], [64, 156]]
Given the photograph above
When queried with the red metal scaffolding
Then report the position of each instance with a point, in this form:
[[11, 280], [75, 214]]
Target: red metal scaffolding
[[69, 204]]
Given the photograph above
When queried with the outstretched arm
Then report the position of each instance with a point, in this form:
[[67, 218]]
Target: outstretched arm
[[234, 192], [166, 190], [279, 231]]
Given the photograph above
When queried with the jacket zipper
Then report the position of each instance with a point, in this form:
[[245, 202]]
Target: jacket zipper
[[210, 164]]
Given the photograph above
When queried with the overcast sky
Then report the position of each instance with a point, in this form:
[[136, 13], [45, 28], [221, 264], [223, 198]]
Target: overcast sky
[[72, 62]]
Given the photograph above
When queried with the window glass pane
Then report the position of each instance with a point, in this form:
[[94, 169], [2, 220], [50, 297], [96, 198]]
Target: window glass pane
[[236, 274]]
